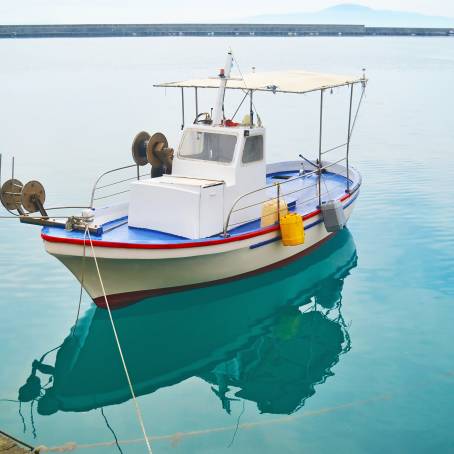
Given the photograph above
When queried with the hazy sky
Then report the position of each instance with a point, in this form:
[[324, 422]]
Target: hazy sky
[[148, 11]]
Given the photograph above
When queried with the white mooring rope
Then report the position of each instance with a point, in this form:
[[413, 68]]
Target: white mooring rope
[[136, 403]]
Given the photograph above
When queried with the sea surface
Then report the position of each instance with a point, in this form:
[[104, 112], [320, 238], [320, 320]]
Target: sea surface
[[348, 350]]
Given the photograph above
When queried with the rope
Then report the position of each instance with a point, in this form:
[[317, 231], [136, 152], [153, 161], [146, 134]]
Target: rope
[[326, 186], [24, 426], [136, 403], [241, 74], [357, 110], [73, 329], [111, 430], [178, 436], [246, 88], [81, 282], [15, 216], [238, 108], [16, 440], [237, 426]]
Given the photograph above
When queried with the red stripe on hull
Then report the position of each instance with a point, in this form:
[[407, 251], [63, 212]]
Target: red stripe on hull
[[118, 245], [119, 300]]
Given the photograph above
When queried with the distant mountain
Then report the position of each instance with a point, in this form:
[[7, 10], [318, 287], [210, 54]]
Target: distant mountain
[[357, 14]]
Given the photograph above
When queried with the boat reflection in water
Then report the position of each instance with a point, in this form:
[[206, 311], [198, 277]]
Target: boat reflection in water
[[274, 336]]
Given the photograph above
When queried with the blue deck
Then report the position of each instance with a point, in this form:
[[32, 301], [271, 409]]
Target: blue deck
[[118, 231]]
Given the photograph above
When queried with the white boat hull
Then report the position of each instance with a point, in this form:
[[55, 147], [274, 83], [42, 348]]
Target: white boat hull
[[131, 274]]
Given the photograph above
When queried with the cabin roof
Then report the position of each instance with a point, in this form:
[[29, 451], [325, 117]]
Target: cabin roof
[[294, 81]]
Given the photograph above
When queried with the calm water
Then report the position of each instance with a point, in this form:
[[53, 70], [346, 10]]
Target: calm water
[[349, 350]]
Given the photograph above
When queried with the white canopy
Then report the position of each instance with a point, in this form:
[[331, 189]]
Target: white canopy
[[282, 81]]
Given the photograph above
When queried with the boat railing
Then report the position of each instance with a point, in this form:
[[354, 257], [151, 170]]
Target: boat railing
[[98, 189], [320, 169], [318, 165]]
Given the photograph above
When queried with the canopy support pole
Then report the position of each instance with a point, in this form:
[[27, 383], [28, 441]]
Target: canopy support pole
[[251, 108], [278, 189], [182, 108], [320, 152], [348, 138], [196, 102]]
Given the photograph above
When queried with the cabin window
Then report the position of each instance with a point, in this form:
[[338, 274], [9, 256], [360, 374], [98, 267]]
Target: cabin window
[[253, 149], [208, 146]]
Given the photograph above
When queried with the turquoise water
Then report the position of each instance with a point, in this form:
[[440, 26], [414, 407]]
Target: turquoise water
[[348, 350]]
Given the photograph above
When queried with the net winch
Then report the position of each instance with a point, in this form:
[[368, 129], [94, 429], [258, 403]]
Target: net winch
[[28, 198], [28, 201], [154, 150], [10, 195]]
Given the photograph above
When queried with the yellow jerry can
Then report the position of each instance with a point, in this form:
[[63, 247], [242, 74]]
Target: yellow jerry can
[[269, 212], [292, 229]]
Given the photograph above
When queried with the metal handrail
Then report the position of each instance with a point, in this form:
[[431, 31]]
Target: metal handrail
[[95, 186], [274, 198], [120, 181], [334, 148], [112, 195], [278, 210], [264, 188]]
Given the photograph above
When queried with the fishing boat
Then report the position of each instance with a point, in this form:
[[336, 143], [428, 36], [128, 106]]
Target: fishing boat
[[211, 211]]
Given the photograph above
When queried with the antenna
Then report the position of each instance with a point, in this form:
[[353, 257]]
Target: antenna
[[224, 75]]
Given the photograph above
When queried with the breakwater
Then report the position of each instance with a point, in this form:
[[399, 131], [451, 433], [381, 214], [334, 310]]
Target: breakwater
[[284, 30]]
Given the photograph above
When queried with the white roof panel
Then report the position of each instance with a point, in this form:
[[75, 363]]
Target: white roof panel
[[282, 81]]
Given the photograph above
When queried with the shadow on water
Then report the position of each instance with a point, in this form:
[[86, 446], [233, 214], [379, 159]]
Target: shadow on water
[[272, 337]]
